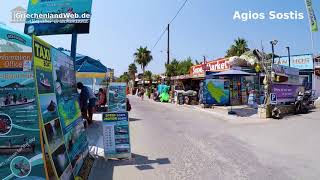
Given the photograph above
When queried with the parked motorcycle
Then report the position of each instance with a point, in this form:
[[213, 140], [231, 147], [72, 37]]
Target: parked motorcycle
[[304, 102]]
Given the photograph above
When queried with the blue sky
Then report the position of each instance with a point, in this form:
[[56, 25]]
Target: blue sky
[[204, 27]]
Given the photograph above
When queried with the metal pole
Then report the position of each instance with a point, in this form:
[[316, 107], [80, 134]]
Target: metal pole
[[288, 48], [168, 51], [74, 48]]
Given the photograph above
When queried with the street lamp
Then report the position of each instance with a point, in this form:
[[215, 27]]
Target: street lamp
[[273, 43]]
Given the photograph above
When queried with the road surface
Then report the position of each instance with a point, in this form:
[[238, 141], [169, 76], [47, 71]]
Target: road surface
[[178, 142]]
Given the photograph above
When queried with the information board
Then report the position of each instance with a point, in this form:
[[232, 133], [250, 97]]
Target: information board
[[20, 139], [116, 135]]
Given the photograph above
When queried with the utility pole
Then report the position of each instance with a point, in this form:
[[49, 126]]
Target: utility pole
[[168, 51]]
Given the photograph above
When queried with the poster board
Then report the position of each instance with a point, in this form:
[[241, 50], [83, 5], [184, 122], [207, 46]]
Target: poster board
[[20, 139], [69, 110], [117, 97], [60, 116], [116, 135]]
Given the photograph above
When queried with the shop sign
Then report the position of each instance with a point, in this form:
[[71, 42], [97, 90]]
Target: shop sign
[[213, 66], [297, 61], [15, 61]]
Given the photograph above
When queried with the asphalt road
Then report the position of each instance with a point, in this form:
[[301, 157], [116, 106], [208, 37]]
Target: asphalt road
[[177, 142]]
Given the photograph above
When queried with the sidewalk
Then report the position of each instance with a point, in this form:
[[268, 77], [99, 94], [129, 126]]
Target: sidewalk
[[243, 114]]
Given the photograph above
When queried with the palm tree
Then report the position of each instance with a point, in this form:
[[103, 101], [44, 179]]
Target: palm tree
[[124, 77], [143, 57], [239, 47], [132, 70], [148, 76]]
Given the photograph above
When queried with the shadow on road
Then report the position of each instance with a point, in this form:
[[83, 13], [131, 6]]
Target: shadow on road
[[134, 119], [103, 169]]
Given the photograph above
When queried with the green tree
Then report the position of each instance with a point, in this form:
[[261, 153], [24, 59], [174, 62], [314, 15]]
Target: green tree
[[172, 68], [184, 66], [143, 57], [239, 47]]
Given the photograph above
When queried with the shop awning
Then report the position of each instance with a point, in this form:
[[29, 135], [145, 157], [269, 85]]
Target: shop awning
[[232, 72]]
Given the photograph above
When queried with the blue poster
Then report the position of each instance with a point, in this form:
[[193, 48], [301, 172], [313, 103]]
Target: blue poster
[[216, 91], [117, 97], [58, 17], [116, 136], [20, 142]]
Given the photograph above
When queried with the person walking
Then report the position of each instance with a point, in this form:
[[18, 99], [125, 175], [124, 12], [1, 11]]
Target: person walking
[[87, 101]]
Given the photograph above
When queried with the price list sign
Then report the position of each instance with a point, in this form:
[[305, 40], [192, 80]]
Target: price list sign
[[116, 137]]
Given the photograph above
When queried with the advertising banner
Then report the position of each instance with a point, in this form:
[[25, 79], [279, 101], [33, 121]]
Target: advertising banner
[[49, 117], [296, 61], [20, 139], [284, 92], [312, 16], [117, 97], [216, 91], [68, 108], [58, 17], [116, 135]]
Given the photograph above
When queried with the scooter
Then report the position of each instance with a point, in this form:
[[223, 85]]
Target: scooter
[[304, 102]]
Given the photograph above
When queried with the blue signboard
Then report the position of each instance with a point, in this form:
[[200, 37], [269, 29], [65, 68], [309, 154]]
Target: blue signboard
[[49, 17], [116, 137], [296, 61]]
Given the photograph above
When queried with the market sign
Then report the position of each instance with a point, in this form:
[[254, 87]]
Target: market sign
[[15, 61], [297, 61], [50, 17], [213, 66]]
